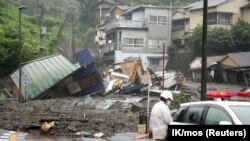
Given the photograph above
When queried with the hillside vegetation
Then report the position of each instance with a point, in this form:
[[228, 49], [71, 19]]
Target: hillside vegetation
[[69, 23]]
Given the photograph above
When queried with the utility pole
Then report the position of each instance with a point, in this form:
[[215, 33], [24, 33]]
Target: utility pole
[[204, 55], [20, 51], [42, 28], [69, 53], [163, 65], [100, 14], [73, 43]]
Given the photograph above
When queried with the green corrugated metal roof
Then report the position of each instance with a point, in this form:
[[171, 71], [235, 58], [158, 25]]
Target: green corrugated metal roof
[[43, 74]]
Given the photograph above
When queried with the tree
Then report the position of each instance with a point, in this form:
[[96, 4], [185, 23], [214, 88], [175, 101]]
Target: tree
[[194, 40], [241, 35], [219, 40], [9, 38]]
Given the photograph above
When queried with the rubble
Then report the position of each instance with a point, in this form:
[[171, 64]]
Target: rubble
[[71, 120], [46, 126], [78, 116], [117, 109]]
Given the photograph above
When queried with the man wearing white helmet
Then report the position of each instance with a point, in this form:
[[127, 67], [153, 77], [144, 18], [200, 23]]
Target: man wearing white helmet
[[161, 116]]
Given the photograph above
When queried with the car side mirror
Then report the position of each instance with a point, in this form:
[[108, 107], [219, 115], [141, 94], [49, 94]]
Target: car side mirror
[[225, 123]]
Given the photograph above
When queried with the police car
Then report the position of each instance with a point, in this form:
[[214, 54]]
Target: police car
[[228, 109]]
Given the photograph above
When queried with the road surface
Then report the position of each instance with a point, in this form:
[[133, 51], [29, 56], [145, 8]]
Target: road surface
[[12, 136], [19, 136]]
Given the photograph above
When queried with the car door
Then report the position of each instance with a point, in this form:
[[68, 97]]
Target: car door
[[189, 115], [216, 115]]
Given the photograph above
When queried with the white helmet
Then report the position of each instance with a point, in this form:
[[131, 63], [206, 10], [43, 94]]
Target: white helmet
[[167, 95]]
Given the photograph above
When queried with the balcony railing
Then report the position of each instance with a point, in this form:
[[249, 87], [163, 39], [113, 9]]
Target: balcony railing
[[125, 24]]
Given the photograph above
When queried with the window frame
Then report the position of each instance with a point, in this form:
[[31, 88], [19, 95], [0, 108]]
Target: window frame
[[154, 61], [156, 19], [132, 42], [219, 108], [158, 43], [182, 114], [201, 115], [220, 18]]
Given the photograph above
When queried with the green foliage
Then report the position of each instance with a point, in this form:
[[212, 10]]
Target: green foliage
[[59, 16], [194, 39], [241, 35], [219, 40], [9, 38], [171, 48], [179, 97], [3, 55], [89, 37]]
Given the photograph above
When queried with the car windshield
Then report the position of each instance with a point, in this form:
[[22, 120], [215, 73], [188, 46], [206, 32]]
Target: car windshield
[[242, 112]]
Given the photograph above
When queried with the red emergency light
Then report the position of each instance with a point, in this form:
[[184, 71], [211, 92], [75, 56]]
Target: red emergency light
[[226, 94], [243, 94]]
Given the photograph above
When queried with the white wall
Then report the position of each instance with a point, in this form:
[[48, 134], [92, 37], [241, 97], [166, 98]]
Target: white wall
[[138, 16]]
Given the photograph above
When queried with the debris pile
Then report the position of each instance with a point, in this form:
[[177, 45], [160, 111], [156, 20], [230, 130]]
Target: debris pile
[[89, 116], [129, 77], [99, 114]]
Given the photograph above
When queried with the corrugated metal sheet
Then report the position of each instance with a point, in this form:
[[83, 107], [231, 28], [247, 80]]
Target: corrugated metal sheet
[[43, 74]]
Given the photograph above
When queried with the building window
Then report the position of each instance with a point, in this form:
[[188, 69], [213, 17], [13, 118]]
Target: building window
[[133, 42], [211, 18], [162, 20], [180, 24], [155, 43], [159, 20], [219, 18], [225, 18], [128, 17], [154, 61]]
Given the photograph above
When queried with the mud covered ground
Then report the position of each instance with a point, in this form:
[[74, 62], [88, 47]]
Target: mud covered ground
[[82, 116]]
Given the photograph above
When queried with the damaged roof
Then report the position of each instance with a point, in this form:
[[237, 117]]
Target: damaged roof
[[42, 74], [196, 64]]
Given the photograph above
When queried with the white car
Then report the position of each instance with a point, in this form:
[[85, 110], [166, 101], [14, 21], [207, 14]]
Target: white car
[[213, 113]]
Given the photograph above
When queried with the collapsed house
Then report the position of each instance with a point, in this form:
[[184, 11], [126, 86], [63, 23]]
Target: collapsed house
[[55, 76], [130, 77], [44, 78]]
